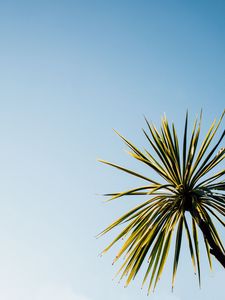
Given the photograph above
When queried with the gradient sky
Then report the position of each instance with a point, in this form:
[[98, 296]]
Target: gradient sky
[[70, 71]]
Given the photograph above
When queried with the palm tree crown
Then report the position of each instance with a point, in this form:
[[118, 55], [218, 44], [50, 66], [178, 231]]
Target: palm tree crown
[[185, 190]]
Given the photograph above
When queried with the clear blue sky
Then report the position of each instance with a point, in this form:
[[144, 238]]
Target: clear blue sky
[[70, 71]]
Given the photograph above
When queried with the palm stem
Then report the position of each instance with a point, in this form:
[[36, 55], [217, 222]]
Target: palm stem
[[214, 248]]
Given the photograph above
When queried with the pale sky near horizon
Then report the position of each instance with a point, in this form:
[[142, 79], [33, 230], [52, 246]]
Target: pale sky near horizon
[[70, 71]]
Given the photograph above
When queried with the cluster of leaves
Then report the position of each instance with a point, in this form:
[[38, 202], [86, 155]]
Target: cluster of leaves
[[189, 186]]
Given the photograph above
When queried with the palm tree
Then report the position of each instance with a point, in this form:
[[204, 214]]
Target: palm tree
[[190, 186]]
